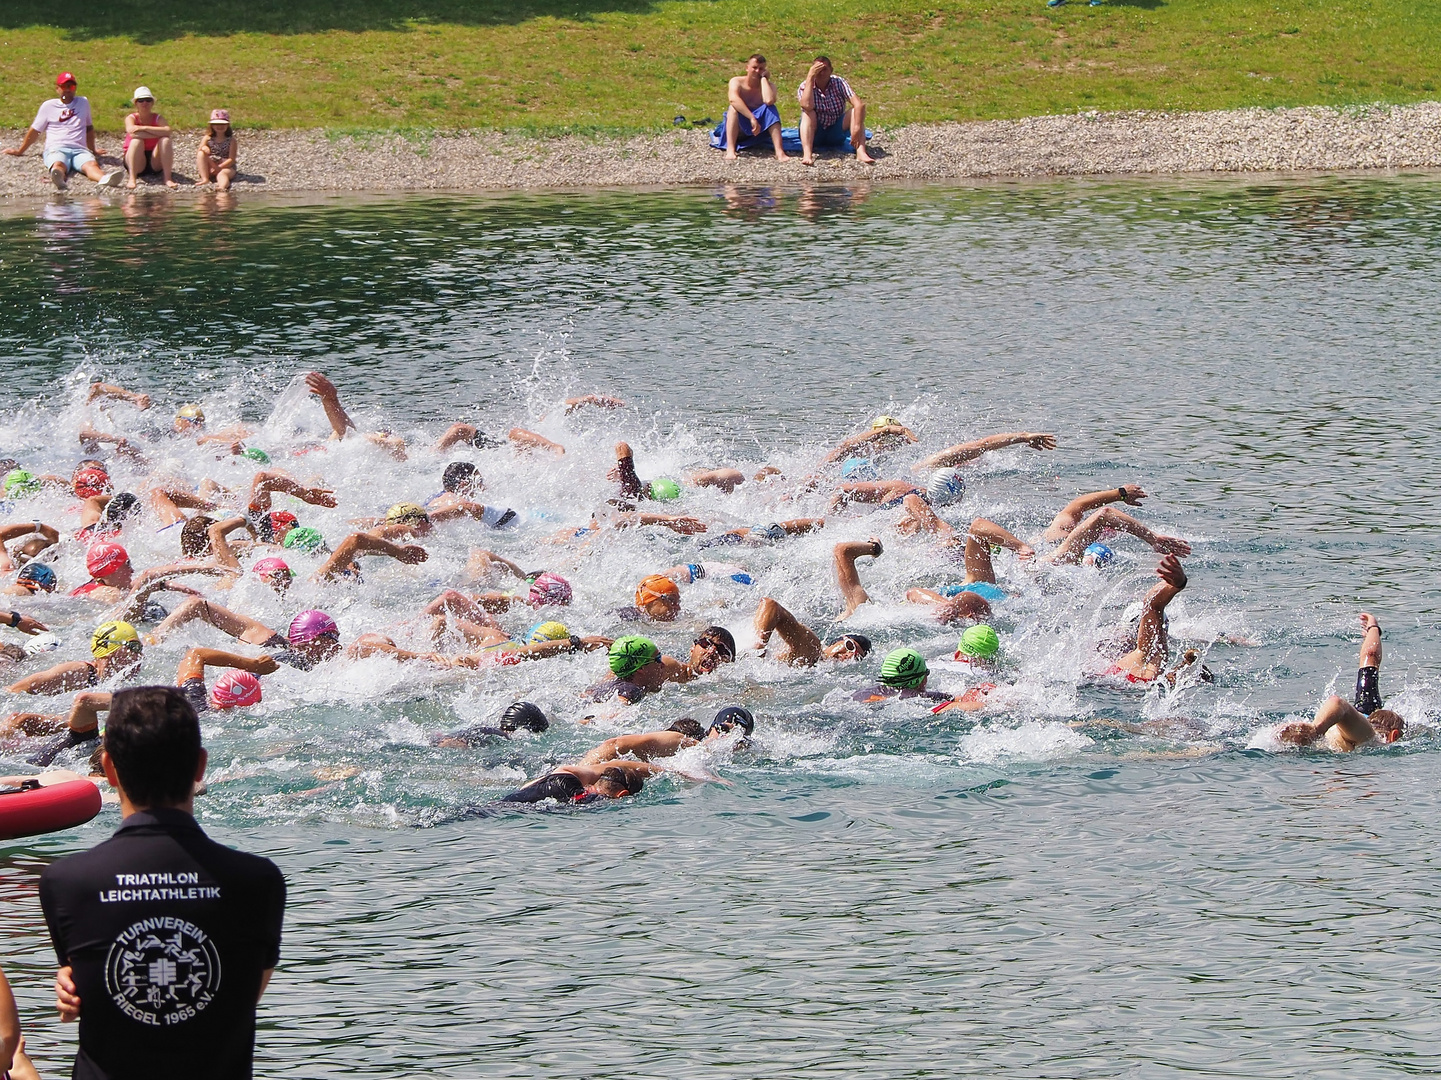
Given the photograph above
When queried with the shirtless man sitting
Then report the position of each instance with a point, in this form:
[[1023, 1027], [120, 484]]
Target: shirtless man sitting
[[1345, 726], [752, 110]]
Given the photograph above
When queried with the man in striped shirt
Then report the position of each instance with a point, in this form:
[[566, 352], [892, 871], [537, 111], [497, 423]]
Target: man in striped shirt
[[829, 111]]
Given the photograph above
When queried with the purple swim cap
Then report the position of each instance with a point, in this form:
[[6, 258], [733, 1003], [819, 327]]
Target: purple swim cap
[[309, 625]]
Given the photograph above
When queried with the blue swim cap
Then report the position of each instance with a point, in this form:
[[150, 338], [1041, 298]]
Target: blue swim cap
[[1098, 555], [860, 468], [985, 590]]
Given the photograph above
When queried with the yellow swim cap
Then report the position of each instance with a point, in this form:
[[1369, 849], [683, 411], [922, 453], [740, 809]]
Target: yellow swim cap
[[191, 412], [884, 421], [111, 637], [547, 631], [406, 513]]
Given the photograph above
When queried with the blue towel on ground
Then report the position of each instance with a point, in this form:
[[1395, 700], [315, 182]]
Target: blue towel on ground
[[766, 114]]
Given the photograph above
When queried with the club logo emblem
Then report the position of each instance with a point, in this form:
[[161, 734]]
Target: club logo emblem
[[162, 971]]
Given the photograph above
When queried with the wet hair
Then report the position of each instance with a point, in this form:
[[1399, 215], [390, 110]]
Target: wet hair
[[8, 464], [13, 653], [523, 714], [628, 782], [195, 535], [460, 474], [1388, 721], [153, 738], [691, 729], [723, 640], [122, 505]]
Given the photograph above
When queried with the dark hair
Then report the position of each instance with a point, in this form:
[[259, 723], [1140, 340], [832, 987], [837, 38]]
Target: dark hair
[[8, 464], [122, 505], [755, 56], [691, 729], [723, 639], [13, 653], [481, 441], [153, 738], [195, 535], [629, 782], [824, 59], [459, 474], [523, 714]]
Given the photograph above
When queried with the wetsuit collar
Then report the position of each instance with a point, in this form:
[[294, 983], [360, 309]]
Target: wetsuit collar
[[164, 817]]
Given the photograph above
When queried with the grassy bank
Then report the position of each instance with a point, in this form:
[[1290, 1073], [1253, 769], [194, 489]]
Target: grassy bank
[[626, 65]]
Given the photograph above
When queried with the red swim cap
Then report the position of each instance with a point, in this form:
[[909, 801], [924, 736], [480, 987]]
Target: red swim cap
[[281, 522], [91, 482], [105, 559], [235, 689]]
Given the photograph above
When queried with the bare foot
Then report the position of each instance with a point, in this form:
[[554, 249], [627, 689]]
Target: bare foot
[[808, 161], [863, 157], [171, 184], [731, 155], [783, 156]]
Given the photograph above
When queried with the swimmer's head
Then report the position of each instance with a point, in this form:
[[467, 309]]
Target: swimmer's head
[[769, 531], [884, 421], [305, 538], [691, 729], [314, 632], [21, 484], [254, 453], [945, 486], [978, 643], [235, 690], [408, 514], [631, 653], [1389, 725], [37, 577], [859, 468], [730, 718], [90, 482], [107, 560], [1098, 555], [189, 416], [122, 505], [616, 783], [274, 572], [664, 489], [461, 478], [848, 647], [713, 646], [195, 535], [659, 597], [904, 669], [523, 714], [275, 526], [481, 441], [110, 637], [546, 631], [547, 588]]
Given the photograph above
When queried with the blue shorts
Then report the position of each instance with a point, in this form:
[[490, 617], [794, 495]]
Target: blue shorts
[[74, 158], [834, 135]]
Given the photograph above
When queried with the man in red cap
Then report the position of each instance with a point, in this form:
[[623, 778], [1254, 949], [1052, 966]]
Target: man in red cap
[[69, 138]]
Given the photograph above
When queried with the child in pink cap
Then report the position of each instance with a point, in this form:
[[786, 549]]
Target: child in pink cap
[[215, 160]]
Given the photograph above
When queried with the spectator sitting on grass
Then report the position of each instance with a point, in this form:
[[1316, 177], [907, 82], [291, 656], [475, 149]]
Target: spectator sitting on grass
[[147, 147], [829, 111], [215, 160], [752, 115], [69, 138]]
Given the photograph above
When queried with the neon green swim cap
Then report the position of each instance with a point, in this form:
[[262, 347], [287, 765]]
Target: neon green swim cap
[[305, 538], [980, 642], [904, 668], [631, 653], [664, 489], [19, 483], [254, 453]]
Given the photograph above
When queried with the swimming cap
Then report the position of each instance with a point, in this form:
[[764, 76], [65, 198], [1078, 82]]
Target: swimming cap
[[546, 631], [191, 412], [979, 642], [884, 421], [657, 587], [904, 668], [631, 653], [111, 637], [733, 716], [406, 513], [1098, 555], [312, 624], [267, 567], [945, 486], [278, 524], [859, 468], [19, 483], [770, 531], [254, 453], [235, 689], [122, 504], [91, 482], [523, 714], [37, 644], [481, 441], [664, 489], [304, 538], [105, 559], [548, 588], [461, 474], [35, 576]]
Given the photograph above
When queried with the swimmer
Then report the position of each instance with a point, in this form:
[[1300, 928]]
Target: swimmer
[[34, 537], [886, 493], [518, 437], [15, 1064], [340, 421], [1075, 511], [103, 517], [116, 653], [963, 453], [904, 675], [845, 555], [312, 638], [640, 667], [656, 597], [726, 480], [885, 433], [1345, 726], [237, 688], [519, 715], [268, 482], [646, 745], [33, 577], [1098, 525], [803, 646], [598, 401], [1148, 659], [980, 647], [103, 391], [768, 533], [342, 562], [585, 783]]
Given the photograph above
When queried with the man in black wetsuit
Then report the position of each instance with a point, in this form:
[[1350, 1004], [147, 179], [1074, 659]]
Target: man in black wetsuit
[[165, 939]]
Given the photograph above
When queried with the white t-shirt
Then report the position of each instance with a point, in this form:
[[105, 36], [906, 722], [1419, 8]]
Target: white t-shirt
[[63, 125]]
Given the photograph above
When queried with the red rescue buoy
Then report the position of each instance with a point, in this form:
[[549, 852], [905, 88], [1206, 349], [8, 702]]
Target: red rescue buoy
[[46, 809]]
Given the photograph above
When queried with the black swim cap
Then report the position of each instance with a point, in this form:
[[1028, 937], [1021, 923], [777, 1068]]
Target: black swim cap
[[863, 643], [482, 441], [733, 716], [522, 714], [459, 474], [122, 505], [691, 729]]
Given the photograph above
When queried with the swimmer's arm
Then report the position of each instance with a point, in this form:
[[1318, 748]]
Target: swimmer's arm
[[196, 660], [220, 541], [178, 569], [1071, 514], [969, 451], [482, 561], [361, 543], [600, 401], [799, 526], [73, 675], [624, 471], [529, 440], [85, 710], [111, 392], [329, 396], [1370, 642], [676, 523], [93, 509], [29, 528], [991, 533], [850, 442], [459, 509], [268, 482], [845, 556]]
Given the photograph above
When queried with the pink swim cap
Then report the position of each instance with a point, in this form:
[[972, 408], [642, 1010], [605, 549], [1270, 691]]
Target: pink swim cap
[[548, 588], [235, 689], [272, 565], [309, 625], [105, 559]]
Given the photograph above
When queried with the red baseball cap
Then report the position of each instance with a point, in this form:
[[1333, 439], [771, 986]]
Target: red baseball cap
[[63, 78]]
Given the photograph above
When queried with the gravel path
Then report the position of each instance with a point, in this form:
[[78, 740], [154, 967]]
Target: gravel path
[[1243, 140]]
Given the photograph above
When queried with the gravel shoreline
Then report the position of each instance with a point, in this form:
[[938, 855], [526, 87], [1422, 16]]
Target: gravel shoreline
[[1238, 141]]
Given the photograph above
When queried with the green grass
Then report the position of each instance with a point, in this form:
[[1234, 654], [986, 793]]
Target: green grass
[[627, 65]]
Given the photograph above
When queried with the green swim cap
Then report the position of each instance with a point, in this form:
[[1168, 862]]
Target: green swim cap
[[980, 642], [305, 538], [19, 483], [254, 453], [904, 668], [631, 653], [665, 490]]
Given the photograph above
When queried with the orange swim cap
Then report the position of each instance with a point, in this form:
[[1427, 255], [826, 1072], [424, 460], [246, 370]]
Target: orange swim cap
[[657, 588]]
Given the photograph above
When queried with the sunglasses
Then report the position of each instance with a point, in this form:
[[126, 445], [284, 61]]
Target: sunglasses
[[711, 643]]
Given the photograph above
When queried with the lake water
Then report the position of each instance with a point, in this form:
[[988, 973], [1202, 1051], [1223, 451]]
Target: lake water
[[1060, 886]]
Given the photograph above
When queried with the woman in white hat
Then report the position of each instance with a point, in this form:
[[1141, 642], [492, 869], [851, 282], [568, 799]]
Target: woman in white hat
[[215, 160], [147, 140]]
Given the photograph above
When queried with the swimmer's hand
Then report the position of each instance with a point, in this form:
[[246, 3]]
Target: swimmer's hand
[[316, 496], [1025, 551], [1171, 545], [1131, 494], [1300, 734], [412, 554], [1039, 441], [1368, 621], [67, 994], [27, 625]]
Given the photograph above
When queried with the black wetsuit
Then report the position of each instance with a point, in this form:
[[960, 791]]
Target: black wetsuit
[[1368, 690], [560, 786], [624, 689], [471, 736], [873, 695]]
